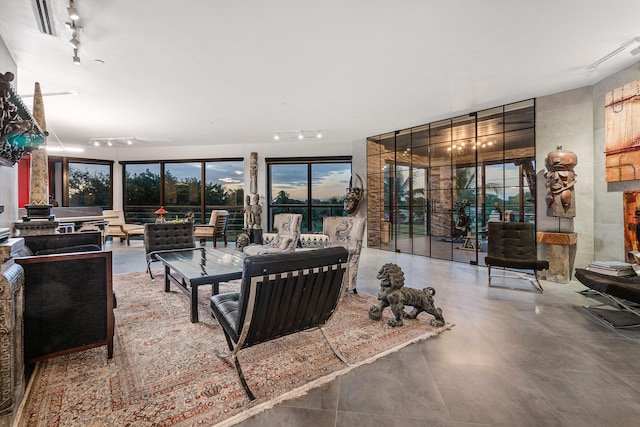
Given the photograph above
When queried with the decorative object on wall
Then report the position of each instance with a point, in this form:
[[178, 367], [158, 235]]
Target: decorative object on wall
[[19, 131], [560, 183], [622, 116], [354, 197], [631, 207], [393, 294]]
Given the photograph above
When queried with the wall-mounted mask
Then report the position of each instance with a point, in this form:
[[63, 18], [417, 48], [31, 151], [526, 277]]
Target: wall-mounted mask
[[354, 197]]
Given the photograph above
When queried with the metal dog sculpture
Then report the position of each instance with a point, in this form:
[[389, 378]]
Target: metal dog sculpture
[[393, 294]]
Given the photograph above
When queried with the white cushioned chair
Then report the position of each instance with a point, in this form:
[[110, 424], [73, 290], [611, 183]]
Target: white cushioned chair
[[119, 228], [348, 232], [288, 232]]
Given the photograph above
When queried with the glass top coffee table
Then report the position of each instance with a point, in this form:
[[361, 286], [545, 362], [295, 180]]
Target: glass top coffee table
[[190, 268]]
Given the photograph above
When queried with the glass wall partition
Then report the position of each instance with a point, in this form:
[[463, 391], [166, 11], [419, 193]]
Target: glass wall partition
[[432, 189]]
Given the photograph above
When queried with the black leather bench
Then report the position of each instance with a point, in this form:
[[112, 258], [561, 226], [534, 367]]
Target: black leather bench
[[622, 292]]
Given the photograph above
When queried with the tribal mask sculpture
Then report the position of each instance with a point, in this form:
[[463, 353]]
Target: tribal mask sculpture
[[354, 197], [560, 183]]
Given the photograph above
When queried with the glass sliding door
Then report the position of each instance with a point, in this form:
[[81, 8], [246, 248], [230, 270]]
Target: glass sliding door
[[433, 189]]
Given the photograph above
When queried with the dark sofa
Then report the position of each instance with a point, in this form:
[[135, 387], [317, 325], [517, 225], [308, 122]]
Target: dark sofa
[[68, 298]]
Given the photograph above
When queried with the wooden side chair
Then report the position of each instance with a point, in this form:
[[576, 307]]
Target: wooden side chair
[[216, 228]]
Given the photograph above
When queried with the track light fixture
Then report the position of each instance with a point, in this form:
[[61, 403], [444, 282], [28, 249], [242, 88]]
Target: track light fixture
[[71, 25], [72, 11], [298, 134], [594, 67], [74, 41]]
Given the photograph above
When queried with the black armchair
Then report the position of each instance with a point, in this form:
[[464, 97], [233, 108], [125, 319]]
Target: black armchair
[[512, 245], [281, 294], [68, 296], [165, 237]]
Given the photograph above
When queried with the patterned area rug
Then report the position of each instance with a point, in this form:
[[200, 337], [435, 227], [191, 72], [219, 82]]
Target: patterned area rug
[[164, 371]]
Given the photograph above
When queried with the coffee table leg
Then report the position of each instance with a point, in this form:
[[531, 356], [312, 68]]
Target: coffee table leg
[[194, 304]]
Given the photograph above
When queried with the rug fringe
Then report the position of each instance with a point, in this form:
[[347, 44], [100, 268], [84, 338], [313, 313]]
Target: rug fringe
[[304, 389]]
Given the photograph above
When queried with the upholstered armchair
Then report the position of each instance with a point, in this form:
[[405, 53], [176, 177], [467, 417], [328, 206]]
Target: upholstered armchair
[[512, 246], [348, 232], [216, 228], [288, 231]]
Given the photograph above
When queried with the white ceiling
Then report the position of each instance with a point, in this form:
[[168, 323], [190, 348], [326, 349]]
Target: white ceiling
[[233, 72]]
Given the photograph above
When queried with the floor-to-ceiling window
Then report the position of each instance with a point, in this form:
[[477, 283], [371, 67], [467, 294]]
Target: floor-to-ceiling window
[[178, 186], [432, 189], [314, 188], [80, 182]]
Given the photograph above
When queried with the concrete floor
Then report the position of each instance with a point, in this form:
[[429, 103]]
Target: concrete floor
[[512, 359]]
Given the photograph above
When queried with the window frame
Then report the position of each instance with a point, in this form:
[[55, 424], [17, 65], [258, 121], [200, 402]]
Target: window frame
[[309, 206]]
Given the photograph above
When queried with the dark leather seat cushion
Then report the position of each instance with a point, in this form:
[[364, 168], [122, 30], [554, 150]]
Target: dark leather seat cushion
[[534, 264], [225, 306], [621, 287]]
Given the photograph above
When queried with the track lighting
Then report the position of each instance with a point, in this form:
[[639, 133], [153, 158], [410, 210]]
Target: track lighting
[[297, 134], [76, 58], [594, 67], [72, 11], [74, 41]]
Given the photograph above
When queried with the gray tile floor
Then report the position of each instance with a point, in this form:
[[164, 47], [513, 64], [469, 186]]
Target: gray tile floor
[[512, 359]]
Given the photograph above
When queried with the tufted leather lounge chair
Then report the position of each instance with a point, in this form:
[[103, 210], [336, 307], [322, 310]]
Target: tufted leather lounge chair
[[281, 294], [512, 246], [166, 237]]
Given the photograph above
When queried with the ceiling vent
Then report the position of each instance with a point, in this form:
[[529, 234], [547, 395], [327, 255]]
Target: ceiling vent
[[43, 11]]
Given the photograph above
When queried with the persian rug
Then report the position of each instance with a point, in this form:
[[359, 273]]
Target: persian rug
[[164, 371]]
